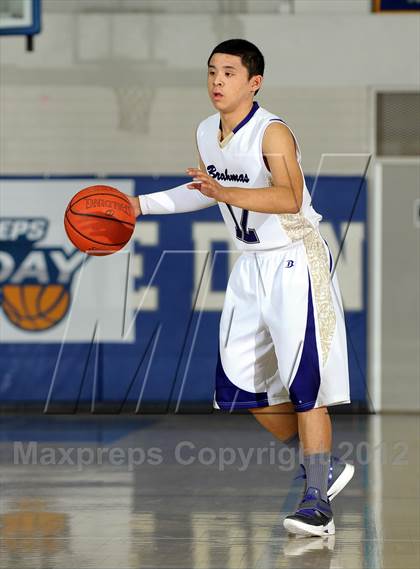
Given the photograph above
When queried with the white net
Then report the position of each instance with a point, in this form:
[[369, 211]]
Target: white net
[[134, 105]]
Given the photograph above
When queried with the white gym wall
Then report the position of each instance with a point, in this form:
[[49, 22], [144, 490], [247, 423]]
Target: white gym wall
[[117, 86]]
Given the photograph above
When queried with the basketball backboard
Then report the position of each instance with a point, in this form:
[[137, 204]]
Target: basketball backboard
[[20, 17]]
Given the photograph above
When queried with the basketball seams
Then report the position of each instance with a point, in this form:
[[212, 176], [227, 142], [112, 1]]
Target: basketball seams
[[122, 243], [119, 195], [85, 218], [108, 218]]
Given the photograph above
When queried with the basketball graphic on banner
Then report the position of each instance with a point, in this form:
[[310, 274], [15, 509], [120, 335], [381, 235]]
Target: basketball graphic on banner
[[35, 307]]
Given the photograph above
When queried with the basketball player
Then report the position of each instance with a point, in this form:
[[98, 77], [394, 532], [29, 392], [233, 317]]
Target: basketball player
[[282, 339]]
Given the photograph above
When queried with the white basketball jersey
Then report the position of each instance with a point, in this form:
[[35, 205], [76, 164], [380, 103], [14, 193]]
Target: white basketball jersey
[[238, 161]]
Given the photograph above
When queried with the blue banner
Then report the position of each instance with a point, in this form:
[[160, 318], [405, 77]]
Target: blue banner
[[167, 358]]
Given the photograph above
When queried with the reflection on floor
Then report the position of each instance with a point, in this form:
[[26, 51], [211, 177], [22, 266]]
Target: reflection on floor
[[202, 492]]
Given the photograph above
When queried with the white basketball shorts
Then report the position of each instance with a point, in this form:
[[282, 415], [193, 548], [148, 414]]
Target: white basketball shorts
[[282, 331]]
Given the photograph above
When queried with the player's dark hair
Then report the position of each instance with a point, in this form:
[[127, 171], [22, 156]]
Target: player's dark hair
[[251, 56]]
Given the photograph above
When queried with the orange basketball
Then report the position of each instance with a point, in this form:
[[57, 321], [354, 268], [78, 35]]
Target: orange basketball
[[99, 220]]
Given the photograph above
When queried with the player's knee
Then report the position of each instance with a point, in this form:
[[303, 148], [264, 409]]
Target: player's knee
[[281, 408]]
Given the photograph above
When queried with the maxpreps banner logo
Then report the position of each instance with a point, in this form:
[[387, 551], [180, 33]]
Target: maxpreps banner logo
[[44, 279], [35, 282]]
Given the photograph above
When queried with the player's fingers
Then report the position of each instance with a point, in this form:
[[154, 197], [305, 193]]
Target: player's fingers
[[193, 171], [198, 174], [201, 178]]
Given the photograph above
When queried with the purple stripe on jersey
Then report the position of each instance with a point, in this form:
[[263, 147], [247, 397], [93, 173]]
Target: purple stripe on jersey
[[329, 254], [254, 109], [230, 396], [331, 261], [305, 386]]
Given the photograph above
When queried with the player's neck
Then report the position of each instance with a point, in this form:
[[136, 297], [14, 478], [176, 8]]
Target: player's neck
[[232, 119]]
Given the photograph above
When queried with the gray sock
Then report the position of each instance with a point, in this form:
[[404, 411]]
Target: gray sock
[[317, 468]]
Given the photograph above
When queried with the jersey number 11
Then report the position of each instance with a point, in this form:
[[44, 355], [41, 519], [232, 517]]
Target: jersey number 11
[[243, 233]]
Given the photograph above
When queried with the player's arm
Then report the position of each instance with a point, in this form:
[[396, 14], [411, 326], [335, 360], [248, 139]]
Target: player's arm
[[284, 196], [175, 200]]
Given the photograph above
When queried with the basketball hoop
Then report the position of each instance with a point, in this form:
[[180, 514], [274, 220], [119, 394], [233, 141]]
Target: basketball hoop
[[134, 105]]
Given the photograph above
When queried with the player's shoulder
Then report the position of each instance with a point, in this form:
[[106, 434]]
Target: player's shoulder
[[272, 125], [277, 129], [266, 118], [209, 123]]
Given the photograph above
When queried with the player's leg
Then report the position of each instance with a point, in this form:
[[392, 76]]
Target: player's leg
[[315, 431], [309, 337], [280, 420], [314, 515], [315, 434]]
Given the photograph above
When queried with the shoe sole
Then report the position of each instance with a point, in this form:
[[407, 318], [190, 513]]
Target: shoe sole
[[341, 482], [298, 545], [300, 528]]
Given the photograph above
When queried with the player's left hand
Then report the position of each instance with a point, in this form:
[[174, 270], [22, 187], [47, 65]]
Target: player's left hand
[[205, 184]]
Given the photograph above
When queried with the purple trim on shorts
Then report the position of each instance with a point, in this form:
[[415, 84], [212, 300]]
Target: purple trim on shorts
[[229, 396], [305, 386]]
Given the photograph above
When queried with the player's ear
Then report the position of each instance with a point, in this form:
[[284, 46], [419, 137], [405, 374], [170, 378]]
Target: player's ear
[[256, 82]]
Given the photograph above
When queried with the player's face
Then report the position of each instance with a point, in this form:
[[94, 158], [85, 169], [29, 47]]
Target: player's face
[[228, 83]]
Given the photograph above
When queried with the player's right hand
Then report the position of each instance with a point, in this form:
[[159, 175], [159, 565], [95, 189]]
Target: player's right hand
[[135, 202]]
